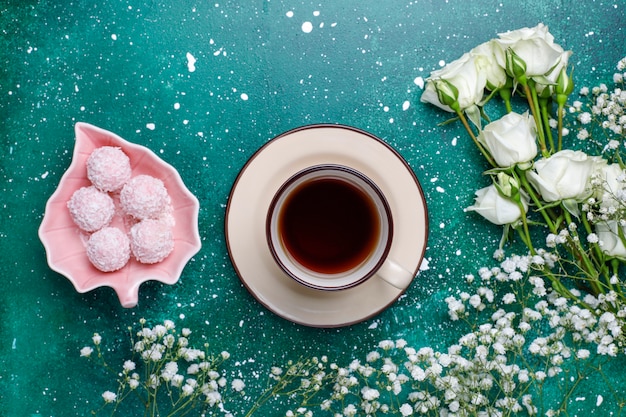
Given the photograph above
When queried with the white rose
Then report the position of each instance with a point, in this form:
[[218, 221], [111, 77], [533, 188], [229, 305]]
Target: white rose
[[608, 234], [487, 55], [462, 74], [495, 208], [551, 77], [612, 183], [535, 46], [510, 139], [564, 175]]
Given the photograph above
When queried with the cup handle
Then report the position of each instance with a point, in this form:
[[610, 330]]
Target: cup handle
[[394, 274]]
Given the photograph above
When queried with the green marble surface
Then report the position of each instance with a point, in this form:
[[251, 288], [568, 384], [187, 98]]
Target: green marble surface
[[122, 65]]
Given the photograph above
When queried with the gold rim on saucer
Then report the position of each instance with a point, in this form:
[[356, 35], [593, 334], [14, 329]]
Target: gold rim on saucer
[[252, 193]]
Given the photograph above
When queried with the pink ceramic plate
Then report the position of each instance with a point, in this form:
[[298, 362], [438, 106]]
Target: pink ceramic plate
[[65, 243]]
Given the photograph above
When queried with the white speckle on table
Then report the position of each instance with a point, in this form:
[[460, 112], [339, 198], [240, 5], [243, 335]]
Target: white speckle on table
[[442, 63], [316, 13], [150, 126], [454, 140], [442, 225], [244, 96], [289, 13], [114, 36], [424, 265], [419, 81], [440, 190], [458, 252], [176, 106], [307, 27], [599, 400], [406, 105], [373, 325], [191, 62], [44, 175], [240, 323]]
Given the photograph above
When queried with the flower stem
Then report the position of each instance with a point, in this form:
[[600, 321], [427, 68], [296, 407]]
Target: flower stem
[[505, 94], [560, 127], [531, 95], [545, 115], [533, 195], [481, 148], [581, 255]]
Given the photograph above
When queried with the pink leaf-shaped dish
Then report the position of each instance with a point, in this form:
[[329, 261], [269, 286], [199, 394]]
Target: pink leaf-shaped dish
[[65, 242]]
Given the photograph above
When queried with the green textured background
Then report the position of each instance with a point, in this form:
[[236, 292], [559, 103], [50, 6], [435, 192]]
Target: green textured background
[[121, 65]]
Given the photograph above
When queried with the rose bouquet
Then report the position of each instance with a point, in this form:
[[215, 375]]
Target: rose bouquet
[[564, 201]]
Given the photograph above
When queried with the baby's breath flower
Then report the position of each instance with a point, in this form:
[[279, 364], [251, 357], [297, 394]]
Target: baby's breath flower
[[406, 410], [86, 351], [96, 339], [109, 397], [238, 384], [508, 298], [129, 366]]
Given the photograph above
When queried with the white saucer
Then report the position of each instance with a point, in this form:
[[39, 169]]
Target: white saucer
[[263, 175]]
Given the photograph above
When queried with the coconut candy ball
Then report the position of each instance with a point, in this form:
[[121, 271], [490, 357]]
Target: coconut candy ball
[[144, 197], [108, 249], [91, 209], [108, 168], [151, 241]]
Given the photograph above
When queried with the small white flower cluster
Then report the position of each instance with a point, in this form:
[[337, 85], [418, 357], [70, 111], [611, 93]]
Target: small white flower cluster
[[523, 336], [608, 107], [175, 374]]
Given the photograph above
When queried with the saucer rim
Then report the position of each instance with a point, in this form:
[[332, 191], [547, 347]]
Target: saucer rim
[[278, 312]]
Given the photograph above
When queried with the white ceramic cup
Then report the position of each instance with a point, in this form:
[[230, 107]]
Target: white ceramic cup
[[329, 227]]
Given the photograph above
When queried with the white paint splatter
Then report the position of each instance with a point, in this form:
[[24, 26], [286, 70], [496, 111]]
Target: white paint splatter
[[176, 106], [289, 14], [114, 36], [44, 175], [406, 105], [316, 13], [244, 96], [599, 400], [424, 265], [440, 190], [150, 126], [191, 62], [419, 81], [307, 27]]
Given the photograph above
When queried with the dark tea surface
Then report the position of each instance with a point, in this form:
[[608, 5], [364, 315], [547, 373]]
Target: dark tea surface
[[329, 225]]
